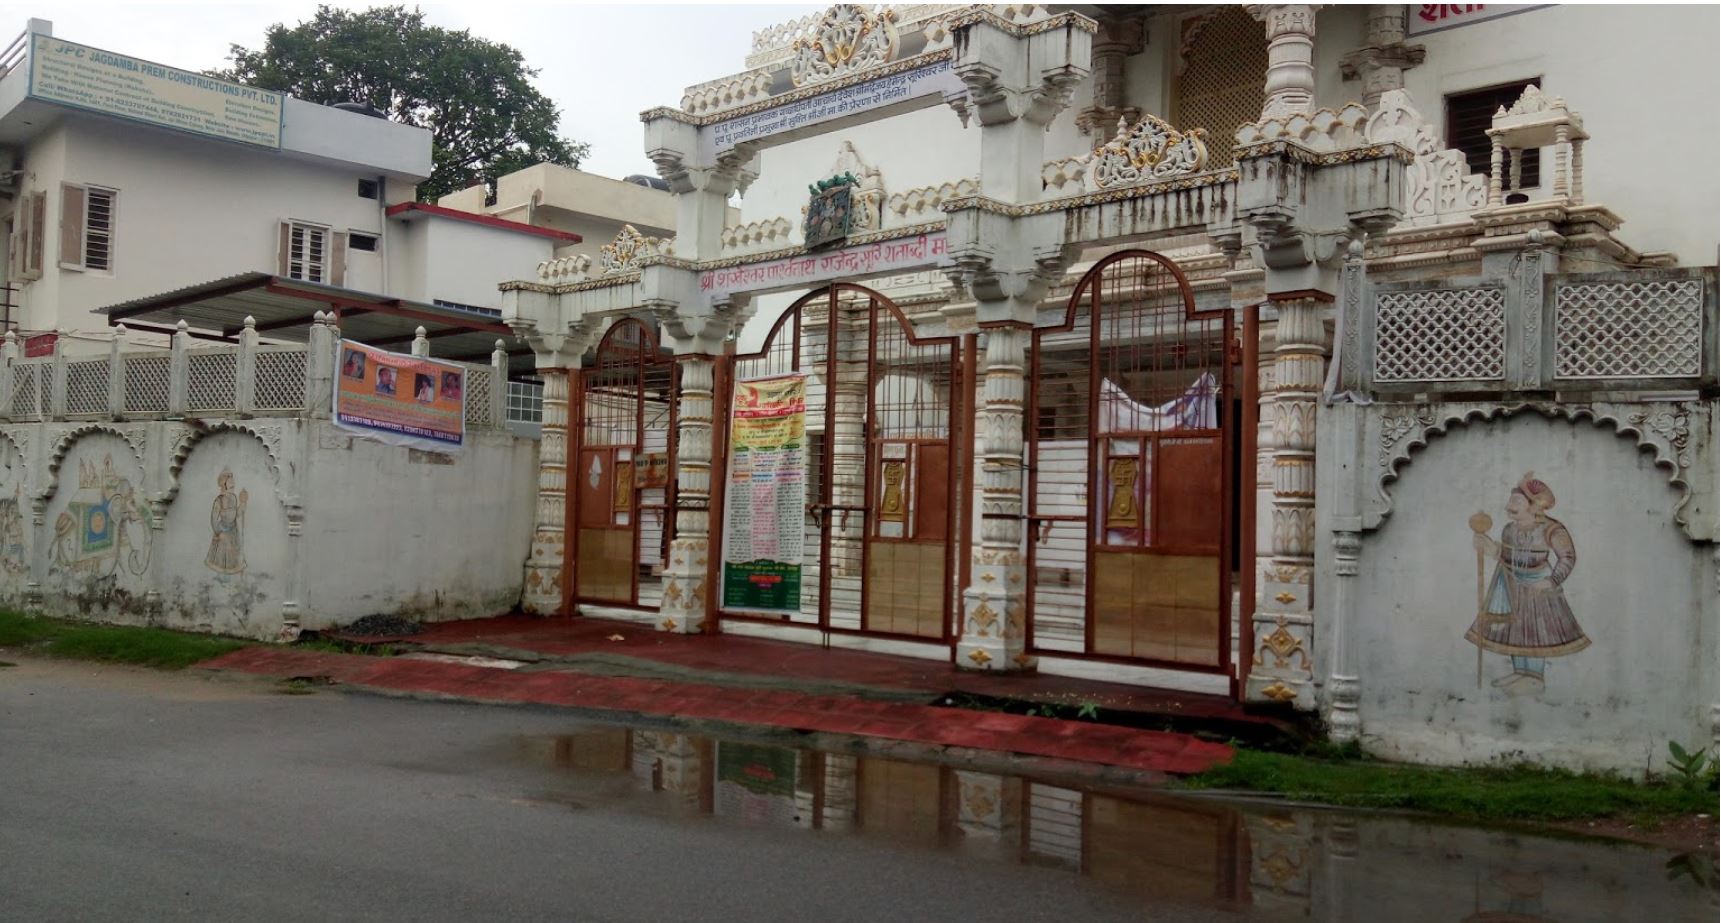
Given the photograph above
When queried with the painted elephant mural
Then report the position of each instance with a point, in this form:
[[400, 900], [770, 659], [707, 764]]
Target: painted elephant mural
[[104, 529]]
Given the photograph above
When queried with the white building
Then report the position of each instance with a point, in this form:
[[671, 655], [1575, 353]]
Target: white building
[[127, 179], [1418, 251]]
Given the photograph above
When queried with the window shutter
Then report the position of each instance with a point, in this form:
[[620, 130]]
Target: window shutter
[[283, 265], [38, 225], [338, 260], [1468, 118], [73, 200], [98, 229]]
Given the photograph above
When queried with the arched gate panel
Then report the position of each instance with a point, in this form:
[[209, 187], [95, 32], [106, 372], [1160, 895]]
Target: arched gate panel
[[1130, 441], [883, 407], [622, 493]]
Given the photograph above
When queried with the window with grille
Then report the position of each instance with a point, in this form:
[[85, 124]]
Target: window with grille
[[525, 402], [99, 228], [1222, 77], [87, 227], [307, 253], [1468, 116]]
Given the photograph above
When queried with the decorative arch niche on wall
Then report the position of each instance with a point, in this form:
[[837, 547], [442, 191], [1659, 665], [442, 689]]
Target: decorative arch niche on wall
[[99, 529], [16, 517], [1665, 430], [268, 436], [226, 554], [136, 439], [1536, 599]]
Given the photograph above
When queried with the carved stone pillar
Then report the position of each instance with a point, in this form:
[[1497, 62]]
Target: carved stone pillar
[[545, 563], [1381, 63], [1343, 723], [557, 346], [1282, 668], [1118, 38], [684, 581], [845, 440], [994, 605], [1290, 57]]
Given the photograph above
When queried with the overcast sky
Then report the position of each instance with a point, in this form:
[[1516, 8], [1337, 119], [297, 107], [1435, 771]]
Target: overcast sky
[[602, 65]]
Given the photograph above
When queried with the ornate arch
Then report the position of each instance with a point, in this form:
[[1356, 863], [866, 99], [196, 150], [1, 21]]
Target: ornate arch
[[269, 437], [63, 447], [1663, 429], [20, 440]]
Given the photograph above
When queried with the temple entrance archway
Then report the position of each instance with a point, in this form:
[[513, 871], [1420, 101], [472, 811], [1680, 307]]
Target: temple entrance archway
[[881, 461], [1130, 435], [622, 417]]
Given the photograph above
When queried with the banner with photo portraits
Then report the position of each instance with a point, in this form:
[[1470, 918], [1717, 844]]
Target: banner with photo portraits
[[400, 399]]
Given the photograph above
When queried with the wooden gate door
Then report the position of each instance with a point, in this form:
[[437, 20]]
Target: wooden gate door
[[622, 492], [1129, 498], [879, 549]]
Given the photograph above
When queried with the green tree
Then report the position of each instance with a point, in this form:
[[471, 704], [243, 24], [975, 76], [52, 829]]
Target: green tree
[[474, 95]]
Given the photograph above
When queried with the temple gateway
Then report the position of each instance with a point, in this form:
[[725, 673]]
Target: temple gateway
[[1173, 346]]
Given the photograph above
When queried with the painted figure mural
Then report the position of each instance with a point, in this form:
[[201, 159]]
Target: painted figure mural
[[226, 521], [14, 557], [1522, 610], [104, 528]]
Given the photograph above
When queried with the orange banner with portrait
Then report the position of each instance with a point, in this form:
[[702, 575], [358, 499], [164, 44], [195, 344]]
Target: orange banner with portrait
[[400, 399]]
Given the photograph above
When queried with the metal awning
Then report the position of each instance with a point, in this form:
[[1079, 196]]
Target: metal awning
[[283, 309]]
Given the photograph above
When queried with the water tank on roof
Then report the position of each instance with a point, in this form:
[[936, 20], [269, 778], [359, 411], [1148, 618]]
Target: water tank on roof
[[650, 182], [361, 109]]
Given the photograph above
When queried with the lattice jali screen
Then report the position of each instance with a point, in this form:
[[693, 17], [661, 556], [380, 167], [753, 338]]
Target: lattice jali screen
[[1453, 334], [280, 378], [87, 387], [146, 383], [1224, 78], [209, 380], [28, 390], [479, 411], [1649, 329]]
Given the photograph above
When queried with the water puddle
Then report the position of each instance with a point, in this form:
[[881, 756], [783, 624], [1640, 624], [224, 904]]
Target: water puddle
[[469, 660], [1159, 849]]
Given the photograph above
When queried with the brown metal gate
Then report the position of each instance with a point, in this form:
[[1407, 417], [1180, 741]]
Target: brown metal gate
[[884, 449], [1129, 490], [621, 492]]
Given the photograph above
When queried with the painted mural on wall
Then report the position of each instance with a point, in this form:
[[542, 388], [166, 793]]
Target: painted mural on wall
[[224, 539], [226, 523], [14, 520], [105, 528], [1522, 612], [99, 536]]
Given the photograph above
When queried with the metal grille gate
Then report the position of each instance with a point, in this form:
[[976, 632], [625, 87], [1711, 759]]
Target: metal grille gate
[[1129, 490], [883, 421], [622, 490]]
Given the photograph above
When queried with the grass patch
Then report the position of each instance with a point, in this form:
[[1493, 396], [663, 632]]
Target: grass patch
[[1493, 793], [149, 647]]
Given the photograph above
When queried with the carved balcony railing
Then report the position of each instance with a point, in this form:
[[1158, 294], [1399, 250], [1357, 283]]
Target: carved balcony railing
[[1576, 335], [245, 379]]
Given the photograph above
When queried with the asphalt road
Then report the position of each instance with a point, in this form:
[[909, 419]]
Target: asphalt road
[[130, 794]]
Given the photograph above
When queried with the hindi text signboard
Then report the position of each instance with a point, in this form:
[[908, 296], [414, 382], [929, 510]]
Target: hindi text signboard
[[115, 84], [1424, 18], [401, 399], [765, 507], [904, 254], [932, 80]]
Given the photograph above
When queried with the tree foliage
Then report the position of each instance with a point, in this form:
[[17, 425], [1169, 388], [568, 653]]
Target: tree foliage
[[474, 95]]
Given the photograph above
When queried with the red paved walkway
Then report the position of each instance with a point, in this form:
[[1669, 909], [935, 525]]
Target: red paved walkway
[[1150, 751], [735, 654]]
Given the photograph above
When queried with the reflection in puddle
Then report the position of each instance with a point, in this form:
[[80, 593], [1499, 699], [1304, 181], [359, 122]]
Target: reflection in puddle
[[1258, 863]]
